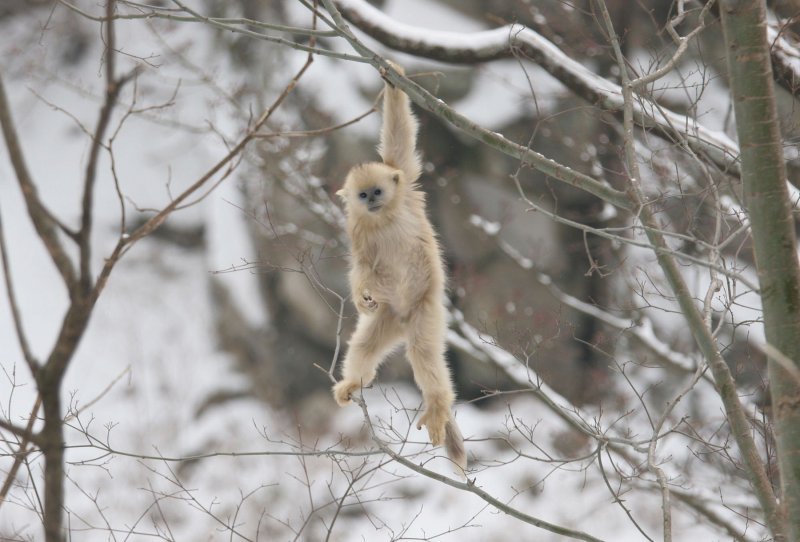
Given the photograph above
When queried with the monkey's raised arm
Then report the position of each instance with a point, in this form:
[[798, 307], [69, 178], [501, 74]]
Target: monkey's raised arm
[[398, 146]]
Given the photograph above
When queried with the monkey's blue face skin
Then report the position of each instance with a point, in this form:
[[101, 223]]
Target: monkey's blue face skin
[[372, 198]]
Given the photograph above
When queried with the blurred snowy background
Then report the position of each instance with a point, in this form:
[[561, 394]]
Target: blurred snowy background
[[195, 409]]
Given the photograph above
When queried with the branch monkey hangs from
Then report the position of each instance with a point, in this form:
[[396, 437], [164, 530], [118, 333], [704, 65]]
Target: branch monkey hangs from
[[397, 275]]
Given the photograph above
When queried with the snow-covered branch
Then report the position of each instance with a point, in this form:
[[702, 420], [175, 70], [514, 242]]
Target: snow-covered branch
[[425, 99], [514, 39], [785, 55]]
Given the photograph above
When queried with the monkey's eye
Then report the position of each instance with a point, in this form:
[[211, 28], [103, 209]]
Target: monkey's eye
[[363, 195], [378, 191]]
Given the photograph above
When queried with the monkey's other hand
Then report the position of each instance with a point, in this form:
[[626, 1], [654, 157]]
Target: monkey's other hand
[[435, 419], [366, 302], [397, 67], [343, 389]]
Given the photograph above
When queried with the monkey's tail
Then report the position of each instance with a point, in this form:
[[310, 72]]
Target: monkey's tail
[[454, 445]]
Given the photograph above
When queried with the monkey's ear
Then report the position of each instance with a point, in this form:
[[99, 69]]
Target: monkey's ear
[[342, 194], [396, 178]]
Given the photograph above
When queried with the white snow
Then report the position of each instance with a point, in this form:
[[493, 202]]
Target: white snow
[[149, 363]]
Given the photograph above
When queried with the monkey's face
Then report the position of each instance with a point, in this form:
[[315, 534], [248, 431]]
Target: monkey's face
[[370, 188], [372, 197]]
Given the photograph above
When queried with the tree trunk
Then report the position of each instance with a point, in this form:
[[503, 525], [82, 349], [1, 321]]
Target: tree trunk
[[52, 436], [766, 199]]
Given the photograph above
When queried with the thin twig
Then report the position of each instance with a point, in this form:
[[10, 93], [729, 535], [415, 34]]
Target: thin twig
[[694, 318], [45, 226], [497, 141], [22, 450], [30, 359], [323, 131], [113, 88], [468, 486], [236, 25]]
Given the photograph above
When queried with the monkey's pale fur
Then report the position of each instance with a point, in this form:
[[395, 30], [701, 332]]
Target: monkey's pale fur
[[397, 277]]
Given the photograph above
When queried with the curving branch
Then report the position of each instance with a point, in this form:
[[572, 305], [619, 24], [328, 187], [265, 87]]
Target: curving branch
[[469, 486], [512, 40], [22, 338], [184, 14], [22, 449], [46, 226], [84, 289], [113, 88], [706, 342], [785, 57], [428, 101], [774, 238]]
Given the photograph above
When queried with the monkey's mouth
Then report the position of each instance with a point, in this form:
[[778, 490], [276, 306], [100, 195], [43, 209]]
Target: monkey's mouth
[[374, 207]]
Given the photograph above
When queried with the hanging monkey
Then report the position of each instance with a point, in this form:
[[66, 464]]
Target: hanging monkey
[[397, 276]]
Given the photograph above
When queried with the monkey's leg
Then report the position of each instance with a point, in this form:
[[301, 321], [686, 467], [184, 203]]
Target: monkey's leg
[[375, 336], [425, 348]]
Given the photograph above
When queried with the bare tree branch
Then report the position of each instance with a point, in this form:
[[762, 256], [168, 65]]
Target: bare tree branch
[[511, 40], [497, 141], [694, 318], [22, 450], [45, 225], [469, 486], [113, 88], [769, 207], [30, 359], [784, 54], [237, 25]]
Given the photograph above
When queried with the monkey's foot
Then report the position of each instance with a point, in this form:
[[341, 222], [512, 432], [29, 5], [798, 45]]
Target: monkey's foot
[[343, 389], [435, 419]]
